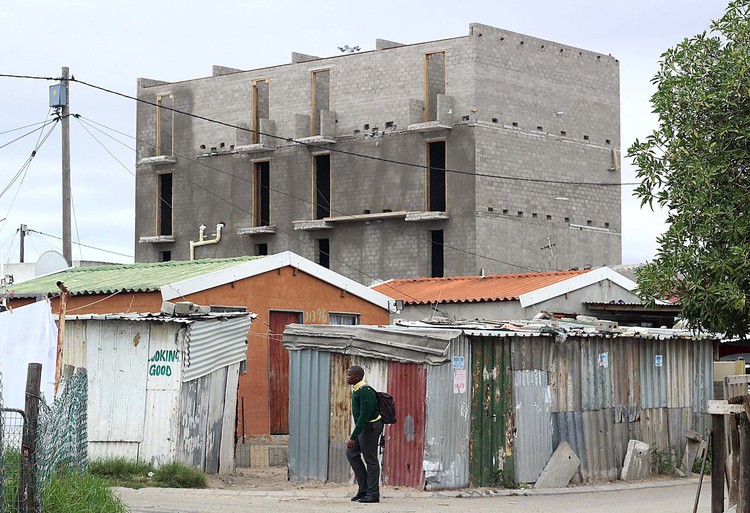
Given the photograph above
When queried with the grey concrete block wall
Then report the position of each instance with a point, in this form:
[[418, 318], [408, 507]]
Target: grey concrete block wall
[[492, 82]]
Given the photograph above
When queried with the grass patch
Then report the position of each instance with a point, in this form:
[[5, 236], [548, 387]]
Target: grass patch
[[11, 460], [177, 475], [74, 493], [129, 474]]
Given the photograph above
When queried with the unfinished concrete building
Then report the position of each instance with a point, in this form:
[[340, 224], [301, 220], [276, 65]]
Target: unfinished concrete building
[[494, 152]]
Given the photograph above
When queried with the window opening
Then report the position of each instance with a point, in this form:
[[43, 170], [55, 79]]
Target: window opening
[[262, 194], [436, 194], [438, 256], [343, 319], [261, 249], [324, 258], [434, 78], [164, 208], [164, 125], [261, 106], [321, 97], [321, 186], [166, 256]]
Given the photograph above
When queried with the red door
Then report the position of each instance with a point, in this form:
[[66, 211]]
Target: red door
[[404, 440], [278, 372]]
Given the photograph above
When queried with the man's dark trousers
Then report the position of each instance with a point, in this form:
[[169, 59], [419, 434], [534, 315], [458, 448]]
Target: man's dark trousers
[[366, 446]]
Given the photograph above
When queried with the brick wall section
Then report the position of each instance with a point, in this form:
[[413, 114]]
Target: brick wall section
[[493, 82]]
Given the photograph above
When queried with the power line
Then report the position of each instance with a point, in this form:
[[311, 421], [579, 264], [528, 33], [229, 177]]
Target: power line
[[303, 200], [81, 244], [22, 127], [327, 148]]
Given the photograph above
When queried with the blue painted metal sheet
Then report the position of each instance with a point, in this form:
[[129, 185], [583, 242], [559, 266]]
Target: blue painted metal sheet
[[446, 452], [533, 406], [309, 407]]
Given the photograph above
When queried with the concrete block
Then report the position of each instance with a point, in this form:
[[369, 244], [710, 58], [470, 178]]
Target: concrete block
[[692, 450], [560, 468], [637, 464], [259, 456], [278, 455]]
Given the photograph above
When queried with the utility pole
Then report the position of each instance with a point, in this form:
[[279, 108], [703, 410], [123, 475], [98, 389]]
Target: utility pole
[[65, 119], [23, 234]]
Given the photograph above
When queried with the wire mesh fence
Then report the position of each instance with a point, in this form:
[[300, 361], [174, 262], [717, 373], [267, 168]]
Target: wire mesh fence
[[59, 440]]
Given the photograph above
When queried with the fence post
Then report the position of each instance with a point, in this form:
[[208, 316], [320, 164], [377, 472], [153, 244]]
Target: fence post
[[743, 502], [718, 446], [33, 395]]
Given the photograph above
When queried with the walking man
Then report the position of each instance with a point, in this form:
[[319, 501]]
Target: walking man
[[363, 442]]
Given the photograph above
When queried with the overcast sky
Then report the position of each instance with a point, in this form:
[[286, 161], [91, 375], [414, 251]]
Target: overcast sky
[[112, 44]]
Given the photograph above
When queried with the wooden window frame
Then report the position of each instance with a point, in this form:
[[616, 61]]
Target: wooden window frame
[[255, 102], [257, 191], [427, 81], [314, 176], [313, 99], [160, 121]]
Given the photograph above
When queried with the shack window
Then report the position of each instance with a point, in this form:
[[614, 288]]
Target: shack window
[[343, 319], [261, 106], [164, 204], [262, 194], [164, 125], [434, 83], [436, 183]]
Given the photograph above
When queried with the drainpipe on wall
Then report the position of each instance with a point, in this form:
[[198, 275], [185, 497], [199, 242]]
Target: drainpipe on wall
[[202, 242]]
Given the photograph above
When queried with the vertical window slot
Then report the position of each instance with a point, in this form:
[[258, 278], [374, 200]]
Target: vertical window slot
[[321, 186], [321, 97], [436, 180], [164, 207], [262, 194], [434, 83]]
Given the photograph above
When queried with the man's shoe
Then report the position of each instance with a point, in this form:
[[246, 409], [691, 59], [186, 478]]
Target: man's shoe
[[369, 498], [359, 495]]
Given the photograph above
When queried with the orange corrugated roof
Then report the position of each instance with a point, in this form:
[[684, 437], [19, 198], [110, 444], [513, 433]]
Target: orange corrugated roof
[[467, 289]]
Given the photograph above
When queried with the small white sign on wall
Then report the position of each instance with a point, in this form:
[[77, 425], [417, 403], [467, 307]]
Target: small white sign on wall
[[659, 360], [459, 381]]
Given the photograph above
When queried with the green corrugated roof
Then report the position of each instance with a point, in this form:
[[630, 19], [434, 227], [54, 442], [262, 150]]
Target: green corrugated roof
[[106, 279]]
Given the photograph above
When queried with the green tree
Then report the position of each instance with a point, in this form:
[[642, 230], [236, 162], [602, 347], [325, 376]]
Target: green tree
[[696, 164]]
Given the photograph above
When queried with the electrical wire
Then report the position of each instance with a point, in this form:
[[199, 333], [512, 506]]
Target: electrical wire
[[22, 127], [24, 135], [290, 196], [77, 118], [344, 152], [81, 244]]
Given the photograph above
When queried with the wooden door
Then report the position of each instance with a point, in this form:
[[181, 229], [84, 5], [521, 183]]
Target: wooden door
[[278, 372]]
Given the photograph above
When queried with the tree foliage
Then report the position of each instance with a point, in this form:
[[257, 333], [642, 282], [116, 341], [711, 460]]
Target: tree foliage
[[696, 164]]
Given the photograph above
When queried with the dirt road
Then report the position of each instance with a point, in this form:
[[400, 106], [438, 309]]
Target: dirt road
[[661, 497]]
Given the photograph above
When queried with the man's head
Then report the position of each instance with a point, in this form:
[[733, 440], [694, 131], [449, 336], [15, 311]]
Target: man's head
[[355, 374]]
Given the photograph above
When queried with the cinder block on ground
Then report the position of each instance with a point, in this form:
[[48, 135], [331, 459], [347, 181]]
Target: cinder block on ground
[[637, 464], [277, 455], [560, 468], [258, 455], [242, 455]]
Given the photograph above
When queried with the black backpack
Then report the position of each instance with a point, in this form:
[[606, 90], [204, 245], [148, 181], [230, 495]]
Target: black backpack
[[387, 407]]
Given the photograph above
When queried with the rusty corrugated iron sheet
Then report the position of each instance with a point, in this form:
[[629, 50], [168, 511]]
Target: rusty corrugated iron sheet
[[654, 385], [467, 289], [340, 422], [533, 442], [446, 453], [596, 374], [492, 416], [309, 411], [404, 441], [565, 376], [598, 441], [626, 363], [532, 353]]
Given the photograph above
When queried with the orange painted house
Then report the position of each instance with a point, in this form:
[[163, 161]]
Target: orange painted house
[[280, 289]]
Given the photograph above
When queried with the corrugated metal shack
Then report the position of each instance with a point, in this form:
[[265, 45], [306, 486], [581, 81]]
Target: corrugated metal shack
[[162, 388], [486, 404]]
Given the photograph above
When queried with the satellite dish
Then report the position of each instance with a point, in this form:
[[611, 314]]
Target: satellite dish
[[50, 262]]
